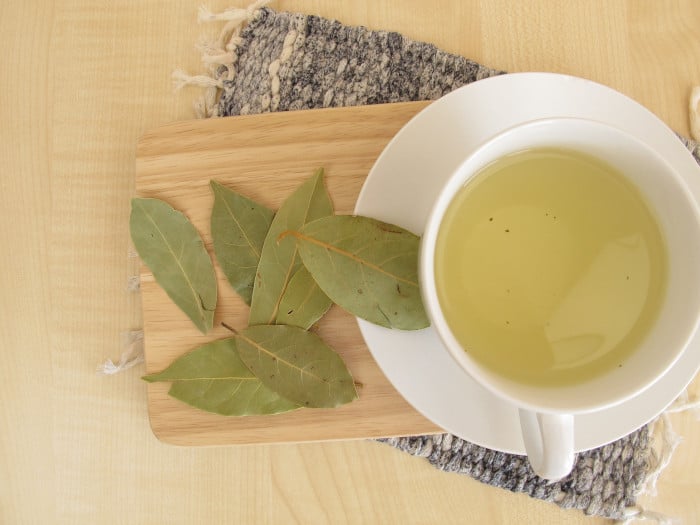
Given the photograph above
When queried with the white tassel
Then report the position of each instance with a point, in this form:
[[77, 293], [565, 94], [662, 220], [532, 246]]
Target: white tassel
[[204, 14], [231, 14], [207, 46], [252, 8], [182, 79], [217, 54], [199, 107], [669, 443], [133, 283], [222, 58], [235, 18], [685, 404], [132, 355], [633, 514]]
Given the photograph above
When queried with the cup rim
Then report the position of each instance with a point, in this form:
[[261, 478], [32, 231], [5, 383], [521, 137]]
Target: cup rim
[[429, 293]]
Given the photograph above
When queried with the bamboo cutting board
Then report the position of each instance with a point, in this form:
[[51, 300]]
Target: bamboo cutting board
[[265, 157]]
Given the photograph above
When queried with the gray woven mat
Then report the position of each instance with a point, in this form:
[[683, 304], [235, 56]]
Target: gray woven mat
[[285, 61]]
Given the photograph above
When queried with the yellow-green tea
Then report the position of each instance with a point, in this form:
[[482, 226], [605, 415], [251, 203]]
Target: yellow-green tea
[[550, 268]]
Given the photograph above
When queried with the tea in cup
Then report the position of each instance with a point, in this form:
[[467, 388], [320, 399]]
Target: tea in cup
[[560, 266]]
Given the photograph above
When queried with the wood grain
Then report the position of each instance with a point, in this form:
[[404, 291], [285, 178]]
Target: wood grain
[[265, 157], [80, 82]]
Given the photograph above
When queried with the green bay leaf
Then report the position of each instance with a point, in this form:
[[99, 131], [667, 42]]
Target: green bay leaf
[[297, 364], [238, 228], [367, 267], [303, 302], [171, 247], [279, 259], [213, 377]]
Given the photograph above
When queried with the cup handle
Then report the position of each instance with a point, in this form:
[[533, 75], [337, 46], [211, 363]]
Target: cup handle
[[549, 443]]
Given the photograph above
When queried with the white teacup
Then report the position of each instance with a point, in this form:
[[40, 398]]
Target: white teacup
[[546, 412]]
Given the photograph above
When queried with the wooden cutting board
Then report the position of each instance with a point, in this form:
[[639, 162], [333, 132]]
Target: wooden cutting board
[[265, 157]]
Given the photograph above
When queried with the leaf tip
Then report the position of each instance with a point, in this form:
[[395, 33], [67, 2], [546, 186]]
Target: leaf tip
[[150, 378]]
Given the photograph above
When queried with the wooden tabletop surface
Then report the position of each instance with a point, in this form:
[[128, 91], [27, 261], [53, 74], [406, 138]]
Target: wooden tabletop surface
[[80, 81]]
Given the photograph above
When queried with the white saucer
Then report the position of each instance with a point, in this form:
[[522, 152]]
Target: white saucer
[[401, 188]]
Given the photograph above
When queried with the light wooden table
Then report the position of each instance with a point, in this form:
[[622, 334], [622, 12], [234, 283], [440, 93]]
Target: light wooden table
[[80, 80]]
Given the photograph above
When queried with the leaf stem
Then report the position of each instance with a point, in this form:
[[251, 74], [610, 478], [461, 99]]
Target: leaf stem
[[228, 327]]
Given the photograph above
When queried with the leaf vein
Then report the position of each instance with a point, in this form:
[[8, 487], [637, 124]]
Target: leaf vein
[[280, 359], [362, 262], [240, 228], [177, 260]]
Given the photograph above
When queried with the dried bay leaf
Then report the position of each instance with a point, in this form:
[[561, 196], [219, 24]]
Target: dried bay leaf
[[279, 259], [297, 364], [213, 377], [303, 302], [171, 247], [238, 228], [367, 267]]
